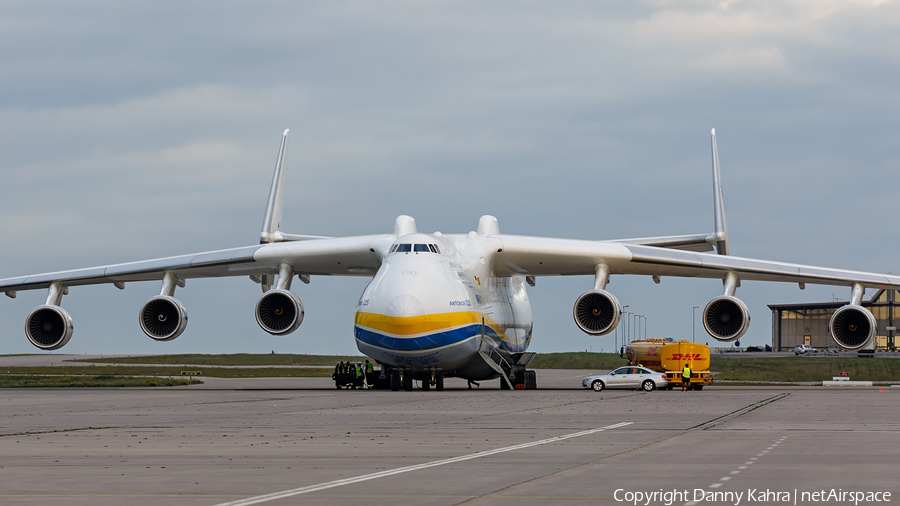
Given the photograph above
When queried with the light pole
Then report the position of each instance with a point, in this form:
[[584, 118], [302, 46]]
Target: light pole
[[631, 327], [617, 331], [694, 324], [644, 317], [627, 331]]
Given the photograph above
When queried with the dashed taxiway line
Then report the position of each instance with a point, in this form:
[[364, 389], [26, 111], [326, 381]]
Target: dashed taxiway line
[[742, 467], [391, 472]]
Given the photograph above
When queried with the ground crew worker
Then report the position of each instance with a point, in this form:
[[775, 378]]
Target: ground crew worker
[[336, 375], [370, 374], [360, 378], [685, 377], [351, 373]]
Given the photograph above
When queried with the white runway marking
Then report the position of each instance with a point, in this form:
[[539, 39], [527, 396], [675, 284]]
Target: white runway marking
[[366, 477], [749, 462]]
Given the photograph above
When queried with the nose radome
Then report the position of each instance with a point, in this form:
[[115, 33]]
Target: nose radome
[[405, 305]]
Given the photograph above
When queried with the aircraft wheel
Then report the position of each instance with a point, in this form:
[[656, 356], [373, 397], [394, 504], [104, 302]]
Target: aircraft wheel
[[395, 381], [530, 380], [426, 385], [439, 382], [597, 385], [407, 382], [649, 386]]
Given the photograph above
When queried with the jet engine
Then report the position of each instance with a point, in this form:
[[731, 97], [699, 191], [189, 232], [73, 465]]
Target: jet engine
[[597, 312], [852, 327], [726, 318], [163, 318], [279, 312], [49, 327]]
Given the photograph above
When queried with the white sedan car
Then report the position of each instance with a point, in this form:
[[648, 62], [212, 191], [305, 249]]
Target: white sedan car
[[630, 377], [805, 349]]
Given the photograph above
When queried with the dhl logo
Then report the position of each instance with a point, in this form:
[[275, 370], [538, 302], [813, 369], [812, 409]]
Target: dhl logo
[[686, 356]]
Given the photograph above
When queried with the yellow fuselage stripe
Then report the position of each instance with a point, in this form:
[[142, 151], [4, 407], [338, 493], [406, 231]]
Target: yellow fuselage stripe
[[411, 325]]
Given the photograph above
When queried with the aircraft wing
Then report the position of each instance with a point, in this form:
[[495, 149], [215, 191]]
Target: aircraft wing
[[694, 242], [540, 256], [346, 256]]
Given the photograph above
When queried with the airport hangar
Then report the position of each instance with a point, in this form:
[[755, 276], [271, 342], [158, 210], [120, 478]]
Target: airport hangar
[[794, 324]]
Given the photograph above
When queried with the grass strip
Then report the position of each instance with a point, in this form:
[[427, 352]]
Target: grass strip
[[105, 380], [577, 360], [232, 359], [173, 371], [806, 368]]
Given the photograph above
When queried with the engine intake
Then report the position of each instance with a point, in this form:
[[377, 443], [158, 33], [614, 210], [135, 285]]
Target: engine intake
[[726, 318], [597, 312], [49, 327], [279, 312], [163, 318], [852, 327]]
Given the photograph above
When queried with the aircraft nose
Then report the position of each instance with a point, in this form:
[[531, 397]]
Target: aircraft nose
[[405, 305]]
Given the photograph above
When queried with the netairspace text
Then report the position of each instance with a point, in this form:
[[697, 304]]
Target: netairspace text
[[752, 495]]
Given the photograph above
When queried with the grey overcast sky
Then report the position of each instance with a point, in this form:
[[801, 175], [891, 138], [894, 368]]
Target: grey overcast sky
[[131, 131]]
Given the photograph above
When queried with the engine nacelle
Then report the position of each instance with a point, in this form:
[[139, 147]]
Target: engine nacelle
[[49, 327], [279, 312], [163, 318], [852, 327], [726, 318], [597, 312]]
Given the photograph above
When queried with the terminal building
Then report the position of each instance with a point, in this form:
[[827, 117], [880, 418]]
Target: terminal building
[[794, 324]]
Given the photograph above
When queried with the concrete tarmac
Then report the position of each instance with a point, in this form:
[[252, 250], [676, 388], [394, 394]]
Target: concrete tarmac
[[232, 440]]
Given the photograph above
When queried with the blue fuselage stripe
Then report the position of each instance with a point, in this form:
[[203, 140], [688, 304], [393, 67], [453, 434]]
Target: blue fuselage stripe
[[421, 343]]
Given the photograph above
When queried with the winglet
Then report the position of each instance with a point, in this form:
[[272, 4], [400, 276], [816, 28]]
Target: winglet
[[272, 218], [721, 234]]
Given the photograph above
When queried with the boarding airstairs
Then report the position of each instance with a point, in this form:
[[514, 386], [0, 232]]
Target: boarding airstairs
[[496, 361], [509, 372]]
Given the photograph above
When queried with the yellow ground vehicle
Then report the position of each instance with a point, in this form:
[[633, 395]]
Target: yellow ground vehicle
[[669, 356]]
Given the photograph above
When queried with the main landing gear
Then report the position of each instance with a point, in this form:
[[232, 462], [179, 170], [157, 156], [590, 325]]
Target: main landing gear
[[522, 379], [405, 380]]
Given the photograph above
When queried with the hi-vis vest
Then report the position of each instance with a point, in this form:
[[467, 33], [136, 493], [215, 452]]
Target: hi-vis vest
[[686, 373]]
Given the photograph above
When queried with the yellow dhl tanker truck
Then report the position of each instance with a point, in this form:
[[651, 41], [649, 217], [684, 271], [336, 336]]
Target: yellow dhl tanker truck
[[669, 356]]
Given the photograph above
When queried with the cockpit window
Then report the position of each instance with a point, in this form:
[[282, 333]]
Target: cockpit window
[[418, 248]]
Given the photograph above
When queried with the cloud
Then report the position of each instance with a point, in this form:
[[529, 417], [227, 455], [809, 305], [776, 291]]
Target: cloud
[[140, 131]]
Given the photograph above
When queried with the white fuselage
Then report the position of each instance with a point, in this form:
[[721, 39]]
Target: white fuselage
[[434, 303]]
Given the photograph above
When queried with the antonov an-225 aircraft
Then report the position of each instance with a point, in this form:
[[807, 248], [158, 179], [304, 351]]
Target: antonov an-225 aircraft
[[449, 305]]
